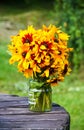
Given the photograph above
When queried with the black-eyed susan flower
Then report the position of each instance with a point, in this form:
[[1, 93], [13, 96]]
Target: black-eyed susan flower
[[41, 53]]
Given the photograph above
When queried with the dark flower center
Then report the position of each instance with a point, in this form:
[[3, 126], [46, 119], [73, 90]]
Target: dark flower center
[[27, 38], [56, 40], [60, 53], [65, 69], [24, 54]]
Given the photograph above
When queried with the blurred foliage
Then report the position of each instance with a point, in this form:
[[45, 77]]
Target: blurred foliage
[[69, 15], [29, 4]]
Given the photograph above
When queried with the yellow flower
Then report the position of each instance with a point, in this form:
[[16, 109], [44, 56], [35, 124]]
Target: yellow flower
[[63, 36], [41, 53]]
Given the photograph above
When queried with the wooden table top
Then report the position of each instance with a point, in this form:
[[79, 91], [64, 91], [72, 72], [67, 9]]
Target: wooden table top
[[14, 115]]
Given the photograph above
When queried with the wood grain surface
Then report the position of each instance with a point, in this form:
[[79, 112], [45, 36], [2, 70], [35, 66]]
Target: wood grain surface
[[14, 115]]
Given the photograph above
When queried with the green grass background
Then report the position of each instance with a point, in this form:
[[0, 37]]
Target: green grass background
[[69, 94]]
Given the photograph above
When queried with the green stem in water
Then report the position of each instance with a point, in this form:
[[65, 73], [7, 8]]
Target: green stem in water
[[44, 101]]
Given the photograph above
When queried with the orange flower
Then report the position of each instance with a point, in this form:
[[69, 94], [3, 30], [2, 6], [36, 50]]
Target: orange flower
[[41, 53]]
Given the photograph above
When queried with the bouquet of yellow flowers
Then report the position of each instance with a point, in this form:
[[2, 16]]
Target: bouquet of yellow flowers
[[41, 54]]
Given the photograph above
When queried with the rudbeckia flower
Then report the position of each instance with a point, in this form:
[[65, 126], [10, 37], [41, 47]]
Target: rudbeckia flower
[[41, 53]]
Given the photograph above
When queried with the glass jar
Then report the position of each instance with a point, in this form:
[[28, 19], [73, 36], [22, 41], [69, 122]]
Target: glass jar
[[40, 96]]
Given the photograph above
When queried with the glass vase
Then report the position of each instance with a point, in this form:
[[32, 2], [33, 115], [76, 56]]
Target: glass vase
[[39, 96]]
